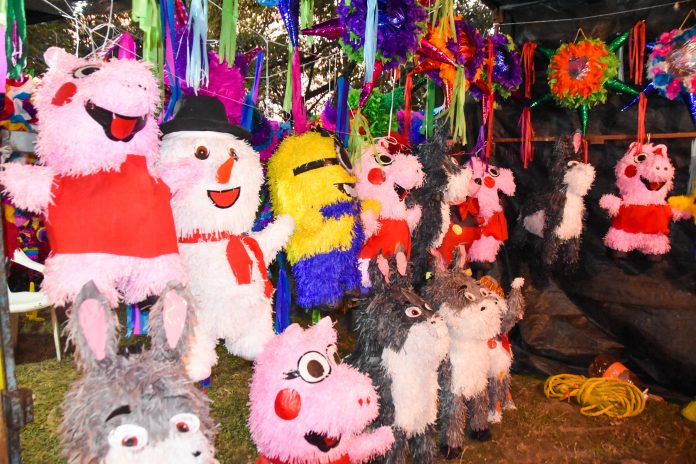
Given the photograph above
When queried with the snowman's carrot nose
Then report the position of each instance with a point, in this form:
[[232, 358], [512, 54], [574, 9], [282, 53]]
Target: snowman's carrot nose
[[225, 171]]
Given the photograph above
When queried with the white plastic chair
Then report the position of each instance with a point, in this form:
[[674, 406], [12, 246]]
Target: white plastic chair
[[24, 302]]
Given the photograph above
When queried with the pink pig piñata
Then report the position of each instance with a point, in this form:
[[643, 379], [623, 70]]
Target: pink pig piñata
[[307, 408], [641, 215], [107, 215], [387, 172], [481, 225]]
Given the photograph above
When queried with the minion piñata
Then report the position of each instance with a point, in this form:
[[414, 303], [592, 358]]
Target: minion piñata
[[309, 179]]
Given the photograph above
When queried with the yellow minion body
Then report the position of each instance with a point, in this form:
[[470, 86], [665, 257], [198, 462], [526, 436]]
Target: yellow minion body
[[305, 175]]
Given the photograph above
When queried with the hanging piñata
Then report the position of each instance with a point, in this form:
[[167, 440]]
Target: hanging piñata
[[672, 68], [581, 73], [507, 72]]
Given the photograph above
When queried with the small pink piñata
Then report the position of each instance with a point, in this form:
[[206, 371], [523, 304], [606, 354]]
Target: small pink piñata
[[107, 215], [386, 173], [641, 215], [307, 408], [486, 181]]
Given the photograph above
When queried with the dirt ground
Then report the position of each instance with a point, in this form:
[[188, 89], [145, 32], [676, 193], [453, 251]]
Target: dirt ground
[[539, 431]]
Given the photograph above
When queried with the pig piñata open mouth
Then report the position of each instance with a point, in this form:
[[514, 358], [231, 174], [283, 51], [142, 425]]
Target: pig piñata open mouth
[[652, 186], [401, 192], [224, 198], [117, 127], [322, 441]]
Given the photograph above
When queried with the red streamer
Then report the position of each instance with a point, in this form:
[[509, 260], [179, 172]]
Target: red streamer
[[584, 150], [636, 52], [408, 88], [528, 50], [527, 145], [490, 100]]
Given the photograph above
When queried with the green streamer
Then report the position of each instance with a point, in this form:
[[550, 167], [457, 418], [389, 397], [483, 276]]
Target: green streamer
[[16, 14], [306, 13], [429, 109], [360, 136], [584, 117], [228, 31], [287, 101], [147, 14], [455, 113], [3, 12]]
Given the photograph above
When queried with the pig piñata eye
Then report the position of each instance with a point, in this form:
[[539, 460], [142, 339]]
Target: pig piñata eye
[[313, 367]]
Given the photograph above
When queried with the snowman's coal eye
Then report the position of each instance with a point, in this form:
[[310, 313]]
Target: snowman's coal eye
[[413, 311], [85, 71], [201, 153], [233, 154]]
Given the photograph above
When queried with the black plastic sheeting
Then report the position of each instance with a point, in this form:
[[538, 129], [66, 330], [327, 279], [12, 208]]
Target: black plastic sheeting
[[646, 316]]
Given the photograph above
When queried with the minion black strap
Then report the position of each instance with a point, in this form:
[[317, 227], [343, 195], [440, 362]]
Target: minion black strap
[[316, 164]]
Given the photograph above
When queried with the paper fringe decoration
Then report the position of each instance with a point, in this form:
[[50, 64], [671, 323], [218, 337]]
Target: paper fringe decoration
[[228, 31], [636, 52], [197, 65], [16, 38], [147, 14], [370, 47], [306, 13], [299, 116], [528, 50], [527, 130], [455, 113]]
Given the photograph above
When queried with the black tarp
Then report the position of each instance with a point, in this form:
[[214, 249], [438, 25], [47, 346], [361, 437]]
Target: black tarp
[[648, 320]]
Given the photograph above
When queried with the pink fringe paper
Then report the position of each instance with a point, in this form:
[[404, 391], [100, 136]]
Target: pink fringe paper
[[298, 110]]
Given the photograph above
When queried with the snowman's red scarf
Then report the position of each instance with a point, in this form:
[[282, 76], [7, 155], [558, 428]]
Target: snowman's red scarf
[[240, 261]]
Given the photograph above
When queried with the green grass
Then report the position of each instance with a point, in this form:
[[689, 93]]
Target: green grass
[[540, 431]]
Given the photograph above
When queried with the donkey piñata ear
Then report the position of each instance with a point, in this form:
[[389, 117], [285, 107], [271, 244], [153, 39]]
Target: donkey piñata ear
[[172, 322], [93, 328]]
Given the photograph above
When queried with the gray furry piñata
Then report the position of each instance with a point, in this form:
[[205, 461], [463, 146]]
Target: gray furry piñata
[[473, 317], [136, 409], [555, 214], [446, 184], [400, 344]]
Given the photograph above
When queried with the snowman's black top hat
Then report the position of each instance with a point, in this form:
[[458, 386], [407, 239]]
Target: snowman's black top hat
[[202, 113]]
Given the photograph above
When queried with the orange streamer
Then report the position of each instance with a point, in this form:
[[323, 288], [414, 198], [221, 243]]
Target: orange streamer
[[637, 52], [528, 50]]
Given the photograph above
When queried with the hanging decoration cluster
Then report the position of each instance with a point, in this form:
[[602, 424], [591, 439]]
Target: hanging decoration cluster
[[672, 63]]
